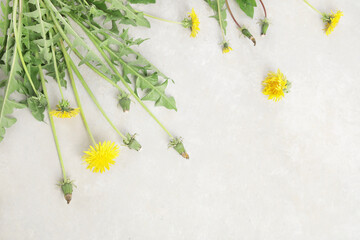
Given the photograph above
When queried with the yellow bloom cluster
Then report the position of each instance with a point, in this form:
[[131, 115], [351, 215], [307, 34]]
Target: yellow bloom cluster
[[332, 21], [226, 48], [63, 110], [101, 156], [194, 23], [275, 85]]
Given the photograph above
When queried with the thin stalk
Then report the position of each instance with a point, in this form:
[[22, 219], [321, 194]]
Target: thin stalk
[[52, 123], [263, 5], [313, 7], [56, 66], [220, 22], [71, 76], [67, 40], [112, 66], [81, 78], [18, 41], [5, 27], [231, 14], [161, 19], [107, 35]]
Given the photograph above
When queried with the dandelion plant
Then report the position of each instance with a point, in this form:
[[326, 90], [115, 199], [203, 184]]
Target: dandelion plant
[[37, 36]]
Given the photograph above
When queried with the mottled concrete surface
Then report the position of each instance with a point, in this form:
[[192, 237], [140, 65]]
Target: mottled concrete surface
[[258, 169]]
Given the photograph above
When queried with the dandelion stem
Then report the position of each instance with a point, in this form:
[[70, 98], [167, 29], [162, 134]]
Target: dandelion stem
[[52, 123], [80, 77], [231, 14], [18, 41], [263, 5], [6, 26], [71, 76], [96, 43], [56, 66], [161, 19], [313, 7], [67, 40], [220, 20]]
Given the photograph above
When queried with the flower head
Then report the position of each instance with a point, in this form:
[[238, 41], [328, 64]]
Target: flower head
[[226, 48], [275, 85], [63, 110], [192, 23], [331, 21], [102, 156], [177, 144]]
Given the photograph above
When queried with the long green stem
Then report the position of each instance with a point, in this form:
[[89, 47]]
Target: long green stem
[[52, 123], [112, 66], [161, 19], [71, 76], [5, 27], [106, 35], [62, 33], [56, 66], [80, 77], [18, 41], [220, 20], [67, 40], [96, 42], [313, 7]]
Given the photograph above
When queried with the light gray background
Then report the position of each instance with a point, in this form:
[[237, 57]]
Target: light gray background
[[258, 169]]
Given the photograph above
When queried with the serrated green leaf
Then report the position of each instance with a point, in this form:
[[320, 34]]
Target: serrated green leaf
[[247, 6], [37, 106], [157, 94], [222, 18]]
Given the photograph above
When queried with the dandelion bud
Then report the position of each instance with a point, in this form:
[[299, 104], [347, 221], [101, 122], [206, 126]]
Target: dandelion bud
[[247, 34], [264, 26], [178, 145], [131, 142], [124, 102], [67, 188]]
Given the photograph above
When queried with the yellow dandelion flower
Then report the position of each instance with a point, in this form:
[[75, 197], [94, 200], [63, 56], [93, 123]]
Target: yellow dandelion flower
[[192, 23], [275, 85], [102, 156], [63, 110], [331, 21], [226, 48]]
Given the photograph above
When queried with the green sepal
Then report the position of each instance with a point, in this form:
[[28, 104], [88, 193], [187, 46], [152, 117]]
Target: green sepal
[[67, 188], [124, 101], [264, 26], [131, 142], [177, 144], [288, 87], [247, 34]]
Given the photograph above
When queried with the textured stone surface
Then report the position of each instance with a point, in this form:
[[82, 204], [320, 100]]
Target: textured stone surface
[[258, 169]]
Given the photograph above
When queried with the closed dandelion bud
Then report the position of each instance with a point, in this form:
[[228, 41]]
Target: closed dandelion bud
[[131, 142], [67, 188], [264, 26], [124, 103], [178, 145], [247, 34]]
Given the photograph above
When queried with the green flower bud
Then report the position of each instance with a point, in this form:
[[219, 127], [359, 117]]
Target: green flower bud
[[67, 188], [264, 26], [178, 145], [131, 142], [247, 34], [124, 102]]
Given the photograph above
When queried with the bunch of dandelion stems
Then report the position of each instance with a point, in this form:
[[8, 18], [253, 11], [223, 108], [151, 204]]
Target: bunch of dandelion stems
[[70, 65]]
